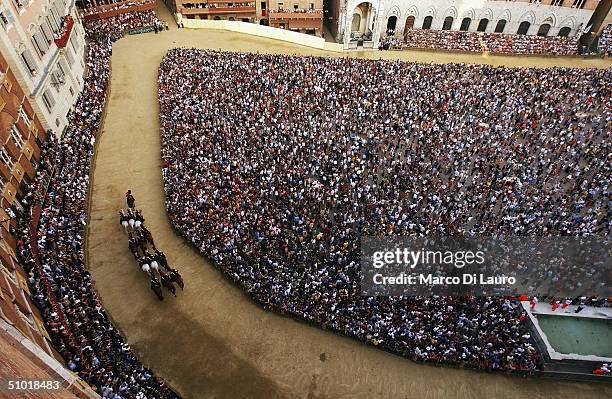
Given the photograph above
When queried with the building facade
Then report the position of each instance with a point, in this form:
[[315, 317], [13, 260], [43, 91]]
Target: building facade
[[231, 10], [25, 344], [305, 16], [21, 135], [352, 21], [43, 42]]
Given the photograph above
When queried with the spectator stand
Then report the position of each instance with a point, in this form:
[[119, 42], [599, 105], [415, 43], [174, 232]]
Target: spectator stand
[[111, 10]]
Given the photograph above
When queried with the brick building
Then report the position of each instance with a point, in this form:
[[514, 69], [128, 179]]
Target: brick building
[[21, 134], [31, 67]]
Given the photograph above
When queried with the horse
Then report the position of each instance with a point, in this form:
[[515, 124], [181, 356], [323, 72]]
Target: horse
[[160, 257], [156, 287], [123, 219], [167, 282], [150, 259], [176, 277], [144, 266], [139, 219], [154, 264], [148, 236], [131, 219]]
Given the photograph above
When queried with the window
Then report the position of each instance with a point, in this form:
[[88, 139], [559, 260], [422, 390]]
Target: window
[[25, 117], [578, 3], [409, 23], [6, 18], [427, 22], [69, 56], [53, 23], [295, 7], [46, 30], [543, 31], [74, 43], [523, 28], [17, 138], [60, 68], [482, 25], [391, 22], [40, 44], [56, 19], [28, 61], [564, 32], [558, 3], [56, 80], [48, 100], [501, 25], [448, 22], [6, 159], [58, 8], [465, 24], [19, 4]]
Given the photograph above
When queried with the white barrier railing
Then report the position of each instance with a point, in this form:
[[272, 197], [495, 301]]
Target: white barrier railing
[[262, 31]]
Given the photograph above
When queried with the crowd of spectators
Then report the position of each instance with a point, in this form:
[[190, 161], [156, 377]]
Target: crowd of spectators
[[275, 167], [495, 43], [116, 26], [61, 286], [114, 6], [605, 41], [297, 10]]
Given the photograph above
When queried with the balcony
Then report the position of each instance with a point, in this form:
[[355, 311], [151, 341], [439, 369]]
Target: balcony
[[219, 10], [113, 9], [62, 39], [296, 15]]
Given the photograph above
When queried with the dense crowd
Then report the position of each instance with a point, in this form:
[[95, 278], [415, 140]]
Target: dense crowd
[[74, 317], [276, 166], [116, 26], [118, 5], [496, 43], [605, 41]]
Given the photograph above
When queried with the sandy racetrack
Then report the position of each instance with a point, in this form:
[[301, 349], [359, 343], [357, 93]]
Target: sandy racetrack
[[212, 341]]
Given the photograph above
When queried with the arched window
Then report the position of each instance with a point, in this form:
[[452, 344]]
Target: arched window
[[465, 24], [523, 28], [391, 22], [501, 25], [543, 31], [409, 22], [482, 25], [427, 22], [564, 32], [356, 22], [448, 22]]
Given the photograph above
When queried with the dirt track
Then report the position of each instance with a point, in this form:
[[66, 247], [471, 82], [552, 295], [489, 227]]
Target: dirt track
[[212, 341]]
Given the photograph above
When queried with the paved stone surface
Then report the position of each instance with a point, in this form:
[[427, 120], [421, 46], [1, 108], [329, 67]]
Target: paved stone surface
[[212, 341]]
